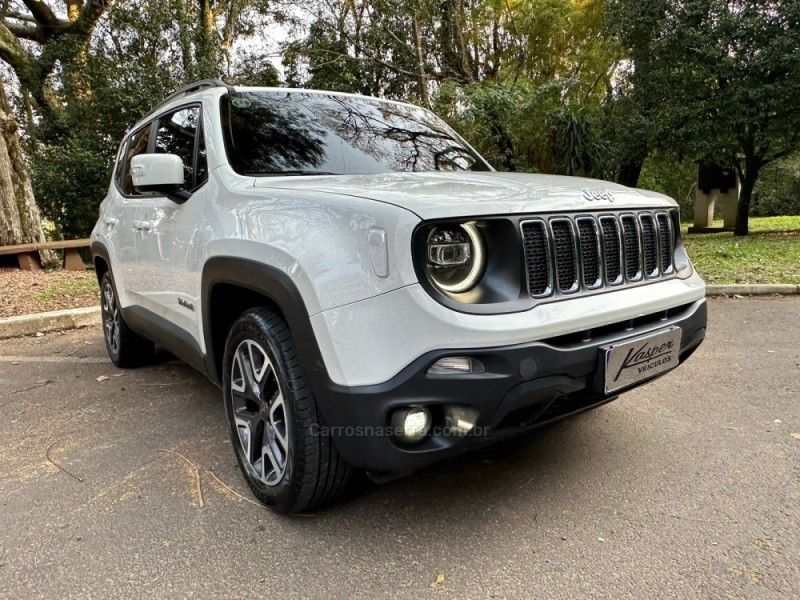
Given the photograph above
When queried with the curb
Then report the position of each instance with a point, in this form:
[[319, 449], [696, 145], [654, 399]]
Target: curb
[[49, 321], [757, 289]]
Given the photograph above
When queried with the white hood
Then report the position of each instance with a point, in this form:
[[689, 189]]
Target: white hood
[[464, 194]]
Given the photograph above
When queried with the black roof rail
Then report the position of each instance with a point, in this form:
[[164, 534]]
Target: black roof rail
[[192, 87]]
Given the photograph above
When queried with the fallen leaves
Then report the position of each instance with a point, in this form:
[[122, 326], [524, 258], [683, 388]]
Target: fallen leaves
[[26, 292], [438, 583]]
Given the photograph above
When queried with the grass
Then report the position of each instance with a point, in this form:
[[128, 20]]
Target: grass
[[770, 254], [85, 284]]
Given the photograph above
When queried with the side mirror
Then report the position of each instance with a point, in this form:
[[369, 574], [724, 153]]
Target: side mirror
[[160, 173]]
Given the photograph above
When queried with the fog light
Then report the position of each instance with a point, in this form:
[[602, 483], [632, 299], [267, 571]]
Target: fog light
[[460, 420], [411, 424], [456, 365]]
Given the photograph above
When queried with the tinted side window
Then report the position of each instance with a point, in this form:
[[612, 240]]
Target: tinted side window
[[119, 167], [176, 135], [136, 145]]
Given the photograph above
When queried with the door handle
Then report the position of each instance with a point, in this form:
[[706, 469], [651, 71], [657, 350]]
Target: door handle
[[110, 221], [141, 226]]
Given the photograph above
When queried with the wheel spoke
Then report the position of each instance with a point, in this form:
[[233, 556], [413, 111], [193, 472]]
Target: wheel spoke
[[249, 378], [277, 463], [277, 419], [108, 296], [250, 428], [237, 374], [258, 361]]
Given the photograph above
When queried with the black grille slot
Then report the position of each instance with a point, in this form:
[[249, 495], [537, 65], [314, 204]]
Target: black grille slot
[[611, 249], [564, 248], [649, 245], [537, 263], [630, 239], [590, 259], [665, 241]]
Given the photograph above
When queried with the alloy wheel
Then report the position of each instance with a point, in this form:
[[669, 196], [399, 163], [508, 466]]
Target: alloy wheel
[[259, 412], [111, 318]]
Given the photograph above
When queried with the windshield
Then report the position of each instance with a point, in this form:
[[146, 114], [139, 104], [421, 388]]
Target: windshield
[[297, 133]]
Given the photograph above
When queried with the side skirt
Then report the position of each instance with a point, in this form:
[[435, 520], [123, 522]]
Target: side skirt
[[167, 335]]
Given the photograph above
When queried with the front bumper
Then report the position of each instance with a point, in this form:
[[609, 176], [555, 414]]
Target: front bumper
[[524, 386]]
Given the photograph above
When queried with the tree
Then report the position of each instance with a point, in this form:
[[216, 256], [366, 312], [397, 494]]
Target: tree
[[140, 51], [724, 80], [20, 221], [33, 42], [632, 102], [520, 78]]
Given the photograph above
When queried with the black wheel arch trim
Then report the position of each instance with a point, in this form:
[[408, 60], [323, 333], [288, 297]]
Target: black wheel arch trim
[[277, 287], [99, 250]]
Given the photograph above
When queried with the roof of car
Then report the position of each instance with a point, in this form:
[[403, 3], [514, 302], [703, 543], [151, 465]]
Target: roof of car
[[205, 85]]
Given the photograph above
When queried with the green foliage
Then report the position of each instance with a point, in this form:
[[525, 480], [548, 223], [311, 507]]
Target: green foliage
[[147, 49], [662, 172], [778, 189]]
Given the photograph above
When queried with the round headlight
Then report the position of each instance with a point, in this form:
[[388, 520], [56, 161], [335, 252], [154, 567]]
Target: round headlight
[[456, 258]]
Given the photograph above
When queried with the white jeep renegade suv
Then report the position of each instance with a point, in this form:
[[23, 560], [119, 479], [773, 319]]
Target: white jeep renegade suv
[[368, 292]]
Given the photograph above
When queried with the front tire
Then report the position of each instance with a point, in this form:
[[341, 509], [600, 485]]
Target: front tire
[[125, 347], [288, 461]]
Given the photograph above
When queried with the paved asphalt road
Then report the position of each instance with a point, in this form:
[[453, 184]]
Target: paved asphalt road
[[689, 487]]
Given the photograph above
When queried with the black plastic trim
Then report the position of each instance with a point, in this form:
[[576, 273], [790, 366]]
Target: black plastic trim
[[276, 286], [166, 334]]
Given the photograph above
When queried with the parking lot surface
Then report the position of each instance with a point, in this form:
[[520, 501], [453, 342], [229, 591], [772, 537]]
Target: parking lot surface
[[123, 484]]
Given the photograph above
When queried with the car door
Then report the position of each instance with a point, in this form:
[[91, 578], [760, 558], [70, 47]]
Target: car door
[[168, 247], [121, 225]]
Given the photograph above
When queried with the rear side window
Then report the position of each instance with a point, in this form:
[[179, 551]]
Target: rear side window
[[180, 133], [136, 145]]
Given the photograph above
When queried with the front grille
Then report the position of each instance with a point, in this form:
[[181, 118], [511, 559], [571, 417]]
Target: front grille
[[590, 252], [536, 244], [566, 254], [564, 248], [612, 249], [649, 245], [665, 241], [630, 241]]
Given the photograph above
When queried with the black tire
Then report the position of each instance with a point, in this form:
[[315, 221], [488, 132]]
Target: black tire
[[313, 473], [125, 347]]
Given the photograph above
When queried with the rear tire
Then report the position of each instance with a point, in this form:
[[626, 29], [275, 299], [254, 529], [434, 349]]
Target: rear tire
[[289, 462], [125, 347]]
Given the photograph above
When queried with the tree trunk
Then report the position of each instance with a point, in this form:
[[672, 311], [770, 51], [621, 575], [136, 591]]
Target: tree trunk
[[629, 172], [748, 181], [206, 57], [422, 79], [503, 140], [20, 222], [456, 59]]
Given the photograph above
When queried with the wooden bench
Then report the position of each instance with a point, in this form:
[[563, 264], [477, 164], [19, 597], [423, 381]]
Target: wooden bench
[[28, 254]]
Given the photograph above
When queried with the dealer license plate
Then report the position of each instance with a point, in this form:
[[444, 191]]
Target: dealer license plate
[[644, 357]]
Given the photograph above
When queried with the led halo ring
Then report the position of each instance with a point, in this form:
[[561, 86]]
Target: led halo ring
[[477, 264]]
